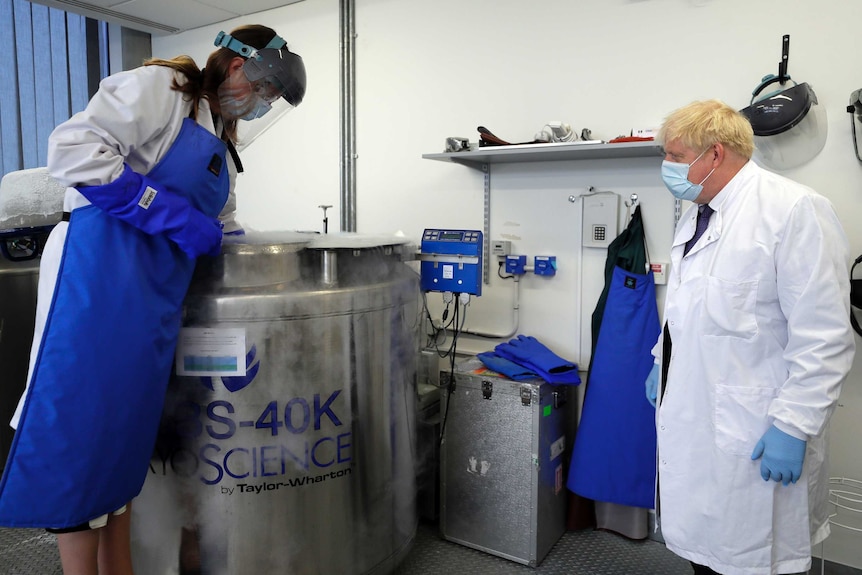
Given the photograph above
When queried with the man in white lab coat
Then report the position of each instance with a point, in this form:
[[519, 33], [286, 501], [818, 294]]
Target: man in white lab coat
[[756, 345]]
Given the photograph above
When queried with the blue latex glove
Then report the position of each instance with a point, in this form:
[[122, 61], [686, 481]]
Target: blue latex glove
[[151, 208], [782, 456], [508, 368], [530, 352], [652, 385]]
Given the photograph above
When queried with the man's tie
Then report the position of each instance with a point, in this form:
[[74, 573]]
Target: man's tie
[[704, 212]]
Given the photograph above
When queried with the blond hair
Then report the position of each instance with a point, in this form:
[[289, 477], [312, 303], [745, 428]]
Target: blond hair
[[702, 124]]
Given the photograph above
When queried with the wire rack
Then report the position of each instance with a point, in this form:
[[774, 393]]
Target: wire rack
[[845, 501], [845, 497]]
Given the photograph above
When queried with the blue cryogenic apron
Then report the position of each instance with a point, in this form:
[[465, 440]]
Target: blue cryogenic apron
[[92, 410], [613, 459]]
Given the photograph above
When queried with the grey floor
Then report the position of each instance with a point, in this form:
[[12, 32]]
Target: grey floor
[[585, 552], [588, 552]]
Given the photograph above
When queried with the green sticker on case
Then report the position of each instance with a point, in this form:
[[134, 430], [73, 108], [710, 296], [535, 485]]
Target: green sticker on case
[[547, 410]]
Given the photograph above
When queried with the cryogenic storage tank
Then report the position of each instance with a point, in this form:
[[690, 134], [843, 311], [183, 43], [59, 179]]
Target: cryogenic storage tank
[[19, 279], [287, 440], [18, 282]]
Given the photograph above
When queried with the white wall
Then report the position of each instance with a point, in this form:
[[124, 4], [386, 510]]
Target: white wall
[[431, 69]]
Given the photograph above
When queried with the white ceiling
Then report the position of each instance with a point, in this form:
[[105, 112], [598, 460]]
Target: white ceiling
[[162, 17]]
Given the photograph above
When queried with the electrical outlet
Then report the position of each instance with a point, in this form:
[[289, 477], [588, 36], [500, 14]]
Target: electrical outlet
[[501, 247]]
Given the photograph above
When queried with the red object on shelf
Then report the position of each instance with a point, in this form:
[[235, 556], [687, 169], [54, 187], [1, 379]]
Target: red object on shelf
[[629, 139]]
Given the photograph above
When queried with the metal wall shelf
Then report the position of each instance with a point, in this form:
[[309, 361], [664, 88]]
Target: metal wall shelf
[[550, 153], [482, 158]]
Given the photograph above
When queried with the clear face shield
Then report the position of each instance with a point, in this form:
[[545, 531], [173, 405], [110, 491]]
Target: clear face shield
[[270, 83], [855, 108], [789, 126]]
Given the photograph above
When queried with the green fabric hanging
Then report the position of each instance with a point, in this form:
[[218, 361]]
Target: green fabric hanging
[[628, 251]]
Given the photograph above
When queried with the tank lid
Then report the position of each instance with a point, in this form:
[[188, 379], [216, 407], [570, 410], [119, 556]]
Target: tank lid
[[353, 241], [273, 243]]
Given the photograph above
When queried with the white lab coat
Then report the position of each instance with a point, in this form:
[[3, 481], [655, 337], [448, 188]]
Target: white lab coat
[[758, 313], [134, 118]]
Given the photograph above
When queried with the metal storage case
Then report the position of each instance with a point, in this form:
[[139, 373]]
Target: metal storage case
[[502, 477]]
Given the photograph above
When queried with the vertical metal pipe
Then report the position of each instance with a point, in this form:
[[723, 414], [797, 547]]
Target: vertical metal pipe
[[329, 268], [348, 117]]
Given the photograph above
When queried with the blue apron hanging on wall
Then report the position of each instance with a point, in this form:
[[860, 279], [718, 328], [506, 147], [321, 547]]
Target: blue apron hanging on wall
[[88, 426], [613, 458]]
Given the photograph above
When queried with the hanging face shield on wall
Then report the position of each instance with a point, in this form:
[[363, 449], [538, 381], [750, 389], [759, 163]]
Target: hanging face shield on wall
[[789, 125], [269, 84], [855, 108], [855, 297]]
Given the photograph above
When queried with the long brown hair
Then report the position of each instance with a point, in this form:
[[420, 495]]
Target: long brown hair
[[204, 83]]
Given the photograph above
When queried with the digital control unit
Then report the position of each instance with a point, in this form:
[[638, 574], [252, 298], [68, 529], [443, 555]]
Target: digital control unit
[[451, 261]]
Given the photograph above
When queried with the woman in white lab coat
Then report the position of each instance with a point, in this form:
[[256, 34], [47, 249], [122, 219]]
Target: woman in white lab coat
[[757, 313], [147, 169]]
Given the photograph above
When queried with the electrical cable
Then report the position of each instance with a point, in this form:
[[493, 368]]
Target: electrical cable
[[450, 387], [456, 323], [516, 306], [434, 338]]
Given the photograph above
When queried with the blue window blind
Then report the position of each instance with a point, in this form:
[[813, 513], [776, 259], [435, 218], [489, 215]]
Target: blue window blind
[[43, 78]]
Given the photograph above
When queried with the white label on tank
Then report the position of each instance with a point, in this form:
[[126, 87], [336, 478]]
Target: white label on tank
[[205, 351], [448, 272]]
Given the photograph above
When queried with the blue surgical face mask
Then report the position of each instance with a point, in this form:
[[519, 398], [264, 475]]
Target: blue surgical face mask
[[240, 99], [675, 176], [260, 108]]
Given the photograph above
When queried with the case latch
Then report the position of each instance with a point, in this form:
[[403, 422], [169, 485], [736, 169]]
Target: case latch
[[487, 389], [560, 397], [526, 395]]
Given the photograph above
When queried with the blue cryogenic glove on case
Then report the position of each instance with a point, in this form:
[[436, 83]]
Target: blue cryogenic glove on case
[[531, 353], [782, 456], [151, 208], [652, 385], [508, 368]]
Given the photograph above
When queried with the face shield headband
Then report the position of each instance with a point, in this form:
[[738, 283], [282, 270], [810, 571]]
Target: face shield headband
[[273, 65]]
